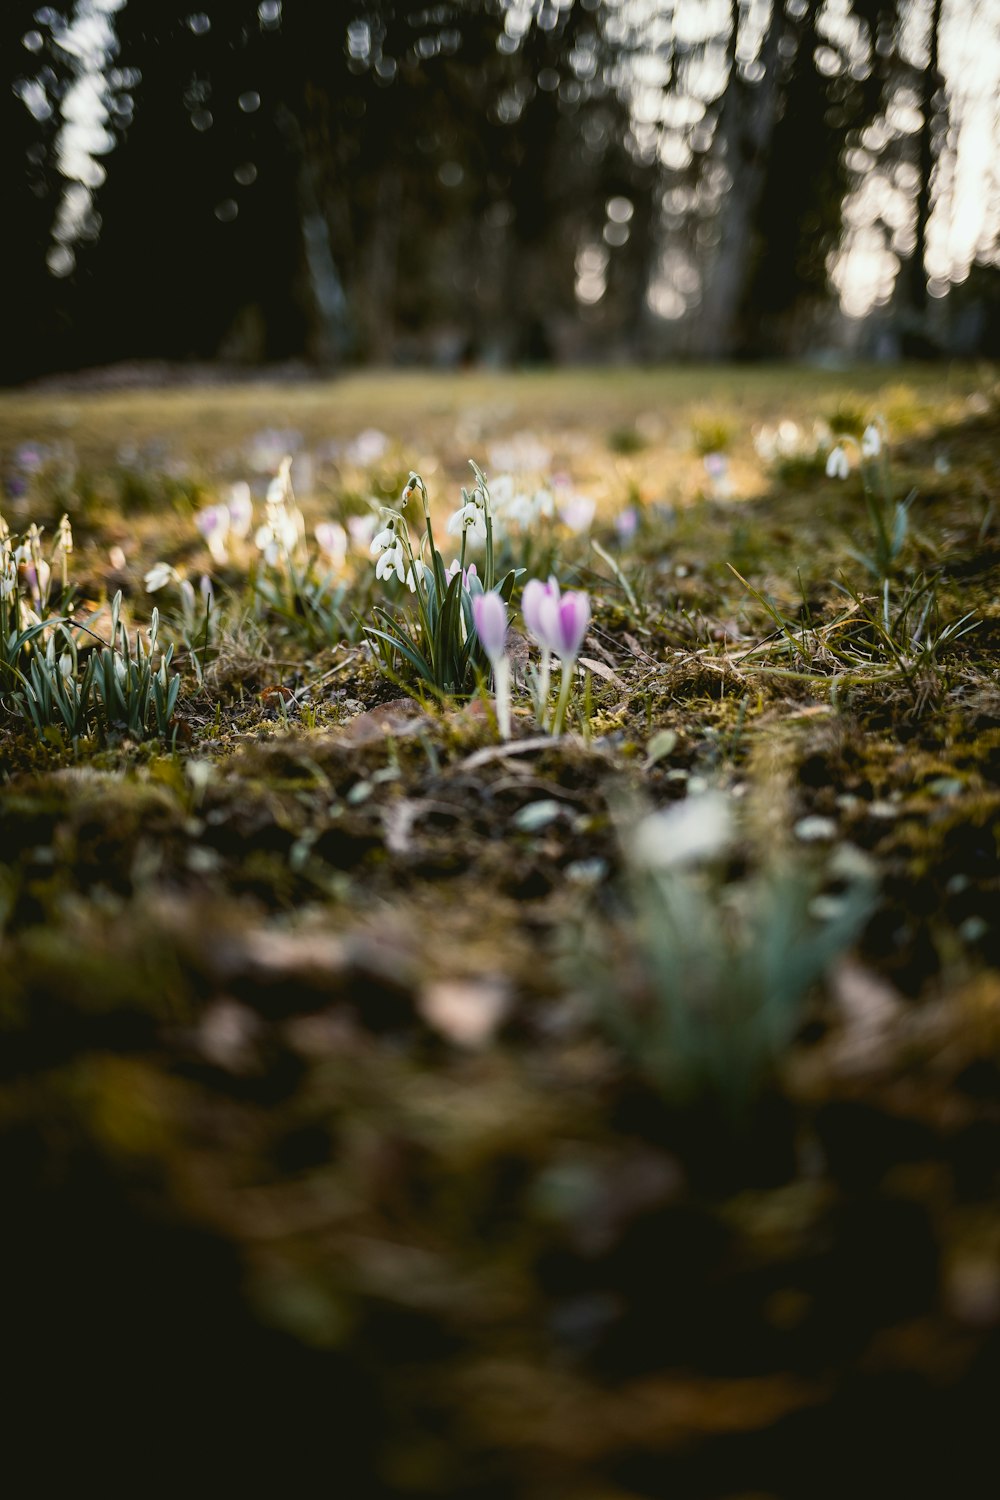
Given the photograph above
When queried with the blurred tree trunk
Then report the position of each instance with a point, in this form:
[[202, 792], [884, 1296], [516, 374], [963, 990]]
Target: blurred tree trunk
[[931, 82], [749, 113]]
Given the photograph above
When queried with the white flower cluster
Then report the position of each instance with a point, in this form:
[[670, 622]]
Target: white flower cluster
[[517, 507], [387, 546], [870, 447], [284, 527], [8, 567], [470, 516]]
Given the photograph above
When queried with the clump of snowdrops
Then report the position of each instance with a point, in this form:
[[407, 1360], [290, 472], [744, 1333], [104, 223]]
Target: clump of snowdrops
[[437, 637], [59, 675], [889, 517], [455, 636], [704, 982]]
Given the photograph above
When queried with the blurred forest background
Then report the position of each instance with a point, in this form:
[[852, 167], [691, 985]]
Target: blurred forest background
[[499, 181]]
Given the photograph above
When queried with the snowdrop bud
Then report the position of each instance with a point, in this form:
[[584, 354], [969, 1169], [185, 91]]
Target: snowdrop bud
[[871, 442], [64, 535], [837, 466], [490, 616]]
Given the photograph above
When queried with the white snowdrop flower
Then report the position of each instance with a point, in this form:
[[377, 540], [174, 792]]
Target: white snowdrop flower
[[837, 466], [467, 518], [385, 539], [871, 442], [117, 558], [392, 561], [688, 833], [159, 575], [64, 536], [66, 665]]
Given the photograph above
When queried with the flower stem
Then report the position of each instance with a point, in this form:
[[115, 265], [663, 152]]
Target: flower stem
[[543, 689], [564, 692], [501, 688]]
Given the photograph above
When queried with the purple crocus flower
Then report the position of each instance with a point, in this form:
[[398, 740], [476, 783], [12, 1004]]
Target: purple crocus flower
[[557, 621], [490, 616]]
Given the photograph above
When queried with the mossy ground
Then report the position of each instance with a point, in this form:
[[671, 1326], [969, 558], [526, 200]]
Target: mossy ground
[[257, 1164]]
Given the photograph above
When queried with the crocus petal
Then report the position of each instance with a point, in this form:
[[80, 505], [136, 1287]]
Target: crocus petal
[[574, 617], [490, 616], [537, 603]]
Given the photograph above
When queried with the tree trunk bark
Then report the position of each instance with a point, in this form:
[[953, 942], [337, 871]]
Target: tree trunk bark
[[749, 113]]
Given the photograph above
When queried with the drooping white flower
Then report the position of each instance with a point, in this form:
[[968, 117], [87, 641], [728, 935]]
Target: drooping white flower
[[688, 833], [871, 442], [8, 569], [385, 539], [468, 518], [64, 536], [837, 466], [392, 560], [159, 575]]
